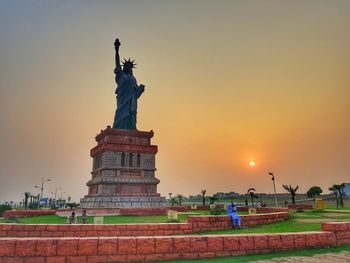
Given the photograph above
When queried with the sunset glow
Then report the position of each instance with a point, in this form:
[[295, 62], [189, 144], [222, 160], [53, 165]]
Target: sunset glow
[[231, 88]]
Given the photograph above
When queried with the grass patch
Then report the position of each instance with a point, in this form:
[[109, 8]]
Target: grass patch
[[309, 220], [281, 227], [250, 258], [54, 219]]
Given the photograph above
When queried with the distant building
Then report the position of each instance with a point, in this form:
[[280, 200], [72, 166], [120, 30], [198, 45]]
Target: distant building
[[347, 189], [222, 195]]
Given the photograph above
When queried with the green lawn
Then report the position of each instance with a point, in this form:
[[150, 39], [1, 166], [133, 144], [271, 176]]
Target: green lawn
[[53, 219], [251, 258], [309, 220], [300, 221], [284, 226]]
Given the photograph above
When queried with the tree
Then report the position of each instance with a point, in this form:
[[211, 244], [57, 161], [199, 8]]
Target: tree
[[26, 197], [179, 198], [292, 191], [72, 205], [4, 207], [203, 192], [212, 199], [313, 191], [173, 201], [337, 189]]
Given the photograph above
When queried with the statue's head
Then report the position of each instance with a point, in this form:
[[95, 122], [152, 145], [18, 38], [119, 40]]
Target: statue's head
[[128, 65]]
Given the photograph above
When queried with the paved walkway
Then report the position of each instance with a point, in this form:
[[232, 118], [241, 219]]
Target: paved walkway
[[342, 257]]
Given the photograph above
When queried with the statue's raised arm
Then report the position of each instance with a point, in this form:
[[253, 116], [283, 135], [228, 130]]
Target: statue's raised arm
[[118, 68]]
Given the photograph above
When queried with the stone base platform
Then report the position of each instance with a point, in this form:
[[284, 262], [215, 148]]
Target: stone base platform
[[123, 171], [123, 201]]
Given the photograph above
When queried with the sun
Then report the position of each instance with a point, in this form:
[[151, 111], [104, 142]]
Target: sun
[[251, 163]]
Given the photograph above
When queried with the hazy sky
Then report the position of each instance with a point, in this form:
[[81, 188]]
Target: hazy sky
[[227, 82]]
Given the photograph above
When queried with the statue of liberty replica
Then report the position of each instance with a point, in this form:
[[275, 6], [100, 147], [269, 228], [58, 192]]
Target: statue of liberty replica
[[123, 170], [127, 92]]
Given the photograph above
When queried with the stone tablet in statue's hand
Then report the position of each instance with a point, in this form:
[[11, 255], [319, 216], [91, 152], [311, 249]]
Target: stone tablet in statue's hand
[[116, 43]]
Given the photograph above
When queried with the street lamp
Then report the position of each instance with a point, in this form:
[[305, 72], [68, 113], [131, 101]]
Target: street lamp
[[57, 188], [274, 187], [62, 195], [43, 181], [251, 192]]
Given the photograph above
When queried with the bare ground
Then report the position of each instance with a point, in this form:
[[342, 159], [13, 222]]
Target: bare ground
[[342, 257]]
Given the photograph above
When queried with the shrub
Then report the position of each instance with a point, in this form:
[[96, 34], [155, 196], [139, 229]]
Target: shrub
[[217, 211], [12, 219], [173, 221], [4, 208], [72, 205]]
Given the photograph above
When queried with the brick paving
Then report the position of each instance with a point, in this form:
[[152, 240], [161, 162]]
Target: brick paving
[[342, 257]]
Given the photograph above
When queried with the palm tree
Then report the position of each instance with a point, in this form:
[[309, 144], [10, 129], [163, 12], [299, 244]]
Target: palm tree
[[173, 201], [31, 201], [180, 197], [26, 197], [292, 191], [338, 189], [203, 191]]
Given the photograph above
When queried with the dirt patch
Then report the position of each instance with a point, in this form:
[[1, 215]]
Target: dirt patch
[[339, 211], [318, 220], [323, 215], [341, 257], [335, 214]]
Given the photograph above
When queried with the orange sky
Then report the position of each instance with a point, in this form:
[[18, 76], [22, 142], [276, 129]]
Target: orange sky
[[226, 82]]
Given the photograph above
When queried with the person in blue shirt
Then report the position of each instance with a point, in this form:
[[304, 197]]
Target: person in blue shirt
[[235, 218]]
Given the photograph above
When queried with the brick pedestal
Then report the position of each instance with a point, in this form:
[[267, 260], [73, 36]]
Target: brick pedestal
[[123, 173]]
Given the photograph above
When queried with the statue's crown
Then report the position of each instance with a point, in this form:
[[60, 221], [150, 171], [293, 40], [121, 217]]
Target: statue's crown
[[129, 62]]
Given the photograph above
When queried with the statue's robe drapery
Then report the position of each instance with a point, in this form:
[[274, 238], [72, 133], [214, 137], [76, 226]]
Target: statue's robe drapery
[[127, 92]]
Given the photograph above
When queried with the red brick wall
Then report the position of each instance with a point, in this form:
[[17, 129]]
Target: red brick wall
[[25, 213], [300, 206], [271, 209], [94, 211], [128, 211], [340, 229], [156, 229], [205, 223], [184, 208], [195, 224], [143, 211], [122, 249]]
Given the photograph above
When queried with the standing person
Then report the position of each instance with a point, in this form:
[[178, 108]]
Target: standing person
[[72, 219], [235, 218], [84, 218], [246, 202]]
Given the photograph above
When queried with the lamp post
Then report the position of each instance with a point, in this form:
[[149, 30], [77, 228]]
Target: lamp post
[[251, 192], [43, 181], [274, 187], [57, 188]]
